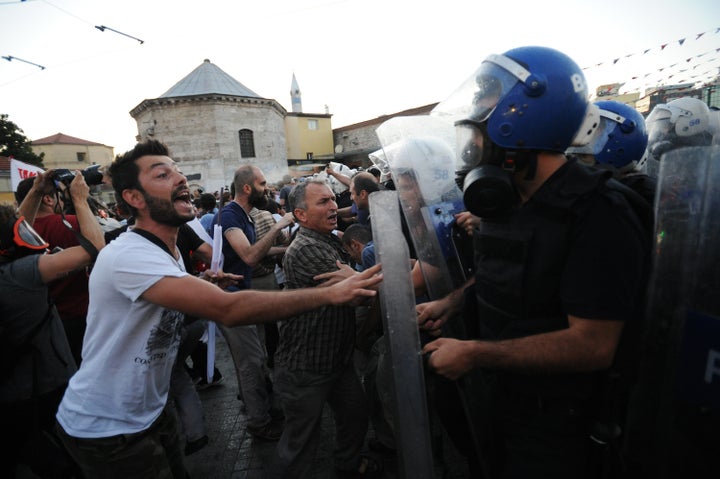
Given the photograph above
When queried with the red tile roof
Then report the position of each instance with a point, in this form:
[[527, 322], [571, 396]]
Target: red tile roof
[[63, 139]]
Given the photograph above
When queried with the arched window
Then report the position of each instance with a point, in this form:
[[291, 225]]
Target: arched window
[[247, 144]]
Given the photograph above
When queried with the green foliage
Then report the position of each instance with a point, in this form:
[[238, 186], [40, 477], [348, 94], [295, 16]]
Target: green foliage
[[13, 142]]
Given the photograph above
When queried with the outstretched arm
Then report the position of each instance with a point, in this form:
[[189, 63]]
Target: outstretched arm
[[251, 306]]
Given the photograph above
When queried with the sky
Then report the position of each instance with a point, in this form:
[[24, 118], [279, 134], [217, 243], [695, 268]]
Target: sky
[[360, 58]]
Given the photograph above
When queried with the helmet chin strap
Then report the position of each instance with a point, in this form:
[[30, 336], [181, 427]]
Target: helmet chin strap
[[520, 160]]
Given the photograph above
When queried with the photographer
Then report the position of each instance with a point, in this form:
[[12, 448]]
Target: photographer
[[36, 358], [69, 293]]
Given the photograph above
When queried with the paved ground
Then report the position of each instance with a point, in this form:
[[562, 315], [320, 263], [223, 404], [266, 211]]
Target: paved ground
[[233, 453]]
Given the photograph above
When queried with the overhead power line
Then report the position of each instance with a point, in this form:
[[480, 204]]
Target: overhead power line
[[11, 58], [102, 28]]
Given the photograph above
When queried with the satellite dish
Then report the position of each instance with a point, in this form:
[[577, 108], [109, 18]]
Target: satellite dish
[[339, 149]]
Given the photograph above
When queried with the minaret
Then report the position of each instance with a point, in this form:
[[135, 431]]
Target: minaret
[[295, 96]]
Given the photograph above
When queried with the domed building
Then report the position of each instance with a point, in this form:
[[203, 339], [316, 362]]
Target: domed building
[[213, 124]]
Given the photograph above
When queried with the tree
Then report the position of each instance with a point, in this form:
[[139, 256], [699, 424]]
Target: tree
[[13, 142]]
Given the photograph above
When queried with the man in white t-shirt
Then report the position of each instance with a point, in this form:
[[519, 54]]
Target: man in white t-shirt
[[112, 418]]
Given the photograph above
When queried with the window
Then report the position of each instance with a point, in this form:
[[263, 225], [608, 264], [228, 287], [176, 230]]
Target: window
[[81, 156], [312, 124], [247, 144]]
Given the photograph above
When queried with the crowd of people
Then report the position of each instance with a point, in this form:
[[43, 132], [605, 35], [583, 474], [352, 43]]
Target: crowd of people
[[104, 349]]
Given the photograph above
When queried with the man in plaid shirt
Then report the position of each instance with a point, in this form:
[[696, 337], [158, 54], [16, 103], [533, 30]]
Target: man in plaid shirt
[[314, 356]]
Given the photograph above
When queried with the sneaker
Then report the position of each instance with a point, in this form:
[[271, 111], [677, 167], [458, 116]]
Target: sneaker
[[203, 384], [194, 446], [269, 432]]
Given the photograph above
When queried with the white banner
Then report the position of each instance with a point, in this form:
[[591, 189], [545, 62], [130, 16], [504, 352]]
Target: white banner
[[19, 171]]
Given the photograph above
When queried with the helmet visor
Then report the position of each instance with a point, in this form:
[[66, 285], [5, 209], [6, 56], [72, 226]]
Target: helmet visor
[[660, 133], [479, 94], [492, 82], [26, 237]]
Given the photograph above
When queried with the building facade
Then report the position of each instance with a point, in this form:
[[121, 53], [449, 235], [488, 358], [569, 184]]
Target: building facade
[[212, 125], [65, 151], [353, 143]]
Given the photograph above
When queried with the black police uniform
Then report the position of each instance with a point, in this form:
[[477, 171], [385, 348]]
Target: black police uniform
[[577, 248]]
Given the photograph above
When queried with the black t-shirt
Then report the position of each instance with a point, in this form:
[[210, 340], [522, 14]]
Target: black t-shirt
[[188, 241]]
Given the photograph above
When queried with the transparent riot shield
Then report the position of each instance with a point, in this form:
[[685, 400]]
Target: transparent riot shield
[[674, 415], [403, 346], [420, 154]]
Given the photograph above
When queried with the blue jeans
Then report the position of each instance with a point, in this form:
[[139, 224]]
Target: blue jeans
[[154, 453]]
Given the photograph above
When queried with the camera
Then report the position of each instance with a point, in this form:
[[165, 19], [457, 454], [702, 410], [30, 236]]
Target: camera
[[92, 175]]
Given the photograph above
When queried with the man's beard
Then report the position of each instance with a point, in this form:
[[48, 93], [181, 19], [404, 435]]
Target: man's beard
[[257, 198], [163, 211]]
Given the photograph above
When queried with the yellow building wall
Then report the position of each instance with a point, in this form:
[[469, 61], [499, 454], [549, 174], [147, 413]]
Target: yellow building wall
[[66, 156], [300, 140]]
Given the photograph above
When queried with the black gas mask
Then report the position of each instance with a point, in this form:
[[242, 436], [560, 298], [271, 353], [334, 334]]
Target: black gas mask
[[484, 171]]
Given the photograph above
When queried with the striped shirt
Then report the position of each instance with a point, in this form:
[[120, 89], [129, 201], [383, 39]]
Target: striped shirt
[[320, 340]]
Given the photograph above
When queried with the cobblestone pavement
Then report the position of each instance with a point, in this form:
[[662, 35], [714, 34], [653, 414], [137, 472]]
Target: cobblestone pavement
[[233, 453]]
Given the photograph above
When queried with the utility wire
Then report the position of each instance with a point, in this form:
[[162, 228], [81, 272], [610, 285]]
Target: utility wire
[[11, 58], [102, 28]]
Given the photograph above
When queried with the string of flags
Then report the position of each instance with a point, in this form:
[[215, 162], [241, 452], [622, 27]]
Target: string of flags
[[661, 47], [695, 68]]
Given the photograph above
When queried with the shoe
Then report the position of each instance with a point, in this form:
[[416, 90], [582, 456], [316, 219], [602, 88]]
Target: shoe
[[369, 468], [194, 446], [269, 432], [376, 446], [203, 384]]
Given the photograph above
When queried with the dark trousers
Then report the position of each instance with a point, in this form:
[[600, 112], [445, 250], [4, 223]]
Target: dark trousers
[[539, 437], [303, 395], [27, 426], [154, 453]]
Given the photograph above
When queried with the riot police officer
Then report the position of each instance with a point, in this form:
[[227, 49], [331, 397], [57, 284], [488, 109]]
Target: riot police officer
[[679, 123], [560, 265], [619, 144]]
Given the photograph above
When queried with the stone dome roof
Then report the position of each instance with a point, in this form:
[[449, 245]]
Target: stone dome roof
[[208, 78]]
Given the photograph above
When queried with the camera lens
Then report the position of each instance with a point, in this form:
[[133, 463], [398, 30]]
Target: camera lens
[[92, 175]]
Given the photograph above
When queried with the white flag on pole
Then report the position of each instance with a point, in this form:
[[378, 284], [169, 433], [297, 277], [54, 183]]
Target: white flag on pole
[[215, 265], [19, 171]]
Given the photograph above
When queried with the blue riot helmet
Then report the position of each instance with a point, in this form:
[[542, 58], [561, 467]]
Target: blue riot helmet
[[528, 100], [681, 122], [620, 138]]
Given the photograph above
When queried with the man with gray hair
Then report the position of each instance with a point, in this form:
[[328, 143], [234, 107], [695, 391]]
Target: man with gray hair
[[313, 362]]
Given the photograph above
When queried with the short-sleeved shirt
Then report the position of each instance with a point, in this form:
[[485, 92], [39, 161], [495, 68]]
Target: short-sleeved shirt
[[264, 221], [206, 220], [70, 293], [320, 340], [188, 241], [130, 345], [368, 255], [233, 216]]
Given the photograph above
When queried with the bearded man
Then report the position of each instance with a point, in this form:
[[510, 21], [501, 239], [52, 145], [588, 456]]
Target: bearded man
[[243, 250], [112, 418]]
